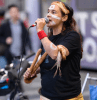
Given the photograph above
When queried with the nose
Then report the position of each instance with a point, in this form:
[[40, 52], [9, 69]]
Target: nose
[[48, 15]]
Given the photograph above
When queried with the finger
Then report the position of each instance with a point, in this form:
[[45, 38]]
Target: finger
[[24, 76], [38, 19], [42, 20], [27, 73], [32, 75], [28, 70]]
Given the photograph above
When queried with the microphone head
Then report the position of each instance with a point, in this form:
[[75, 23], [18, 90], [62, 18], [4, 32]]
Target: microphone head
[[46, 19]]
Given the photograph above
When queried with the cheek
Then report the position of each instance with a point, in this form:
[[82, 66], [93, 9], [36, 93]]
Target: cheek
[[53, 16], [52, 23], [55, 19]]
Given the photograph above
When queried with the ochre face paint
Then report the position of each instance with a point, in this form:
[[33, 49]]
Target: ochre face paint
[[53, 16], [52, 7], [52, 46]]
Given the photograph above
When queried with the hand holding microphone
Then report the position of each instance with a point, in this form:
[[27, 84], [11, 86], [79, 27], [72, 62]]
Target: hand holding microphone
[[46, 20], [40, 23]]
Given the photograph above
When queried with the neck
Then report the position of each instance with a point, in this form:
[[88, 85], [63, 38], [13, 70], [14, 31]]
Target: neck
[[57, 30], [14, 21]]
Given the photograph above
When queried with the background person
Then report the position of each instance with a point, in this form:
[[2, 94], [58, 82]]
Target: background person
[[13, 34], [62, 33]]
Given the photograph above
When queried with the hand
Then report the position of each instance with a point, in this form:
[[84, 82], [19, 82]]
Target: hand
[[28, 74], [9, 40], [40, 24]]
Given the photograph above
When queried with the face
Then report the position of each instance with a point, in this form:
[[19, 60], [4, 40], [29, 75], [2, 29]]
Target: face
[[14, 13], [55, 16]]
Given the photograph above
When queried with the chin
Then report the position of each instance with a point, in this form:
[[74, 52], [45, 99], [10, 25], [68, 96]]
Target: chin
[[50, 26]]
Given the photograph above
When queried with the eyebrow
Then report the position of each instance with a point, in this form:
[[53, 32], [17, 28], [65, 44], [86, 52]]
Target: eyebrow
[[52, 10]]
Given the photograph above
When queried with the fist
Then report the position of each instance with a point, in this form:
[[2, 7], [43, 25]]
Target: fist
[[40, 24], [9, 40], [28, 74]]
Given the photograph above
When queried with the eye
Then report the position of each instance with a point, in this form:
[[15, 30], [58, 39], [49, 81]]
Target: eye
[[53, 12]]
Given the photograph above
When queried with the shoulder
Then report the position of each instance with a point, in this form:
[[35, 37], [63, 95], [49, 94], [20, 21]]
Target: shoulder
[[4, 25], [23, 24], [73, 34], [5, 22]]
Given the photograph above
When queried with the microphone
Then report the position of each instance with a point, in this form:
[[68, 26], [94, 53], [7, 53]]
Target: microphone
[[46, 20]]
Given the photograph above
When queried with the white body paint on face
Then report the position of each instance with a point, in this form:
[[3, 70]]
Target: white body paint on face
[[52, 7], [52, 46], [52, 23], [53, 16]]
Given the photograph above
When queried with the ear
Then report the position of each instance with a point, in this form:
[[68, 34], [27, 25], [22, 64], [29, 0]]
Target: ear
[[64, 18]]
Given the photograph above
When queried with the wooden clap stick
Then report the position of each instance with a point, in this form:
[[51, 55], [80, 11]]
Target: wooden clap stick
[[26, 80], [35, 59], [34, 67], [39, 62]]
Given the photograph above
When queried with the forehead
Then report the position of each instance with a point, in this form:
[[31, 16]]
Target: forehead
[[13, 9], [53, 7]]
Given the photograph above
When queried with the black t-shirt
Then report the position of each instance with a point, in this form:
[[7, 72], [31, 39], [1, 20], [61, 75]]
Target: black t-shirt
[[68, 85]]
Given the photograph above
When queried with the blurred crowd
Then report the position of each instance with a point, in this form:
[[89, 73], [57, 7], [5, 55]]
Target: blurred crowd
[[14, 36]]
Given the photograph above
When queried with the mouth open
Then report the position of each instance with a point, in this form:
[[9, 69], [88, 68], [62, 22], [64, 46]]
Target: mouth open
[[50, 20]]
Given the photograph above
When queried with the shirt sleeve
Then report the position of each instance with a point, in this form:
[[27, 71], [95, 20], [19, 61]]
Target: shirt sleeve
[[2, 34], [71, 41]]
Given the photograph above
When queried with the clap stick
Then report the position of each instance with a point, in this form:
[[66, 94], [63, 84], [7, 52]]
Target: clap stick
[[39, 62], [35, 59], [34, 67], [31, 67]]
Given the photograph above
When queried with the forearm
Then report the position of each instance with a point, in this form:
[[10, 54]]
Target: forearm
[[2, 40], [49, 47]]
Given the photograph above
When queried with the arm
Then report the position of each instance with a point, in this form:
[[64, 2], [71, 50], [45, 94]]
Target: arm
[[49, 47], [5, 38], [2, 38]]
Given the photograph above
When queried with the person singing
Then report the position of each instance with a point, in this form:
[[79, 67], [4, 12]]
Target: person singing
[[61, 80]]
